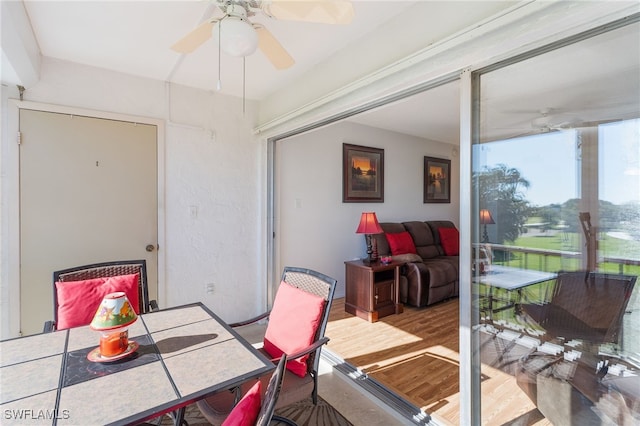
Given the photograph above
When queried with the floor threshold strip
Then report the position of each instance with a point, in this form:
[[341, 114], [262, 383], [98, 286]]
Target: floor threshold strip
[[401, 406]]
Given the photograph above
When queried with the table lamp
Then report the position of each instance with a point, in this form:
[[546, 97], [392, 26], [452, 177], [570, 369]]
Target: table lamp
[[112, 319], [369, 225], [486, 219]]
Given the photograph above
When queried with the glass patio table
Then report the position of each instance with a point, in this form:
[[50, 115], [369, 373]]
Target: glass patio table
[[510, 279], [185, 354]]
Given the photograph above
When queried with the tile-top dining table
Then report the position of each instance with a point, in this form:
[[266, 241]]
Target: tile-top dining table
[[185, 354]]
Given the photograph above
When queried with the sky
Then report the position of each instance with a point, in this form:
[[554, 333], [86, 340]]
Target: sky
[[621, 162], [549, 162]]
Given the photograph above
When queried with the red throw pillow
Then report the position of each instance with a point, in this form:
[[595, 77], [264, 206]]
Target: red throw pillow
[[78, 301], [450, 241], [245, 413], [293, 323], [401, 243]]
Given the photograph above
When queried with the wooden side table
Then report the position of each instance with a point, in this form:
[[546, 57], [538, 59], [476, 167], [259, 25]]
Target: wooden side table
[[372, 291]]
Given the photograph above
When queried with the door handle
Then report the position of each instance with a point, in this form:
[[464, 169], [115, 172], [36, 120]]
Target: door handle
[[150, 247]]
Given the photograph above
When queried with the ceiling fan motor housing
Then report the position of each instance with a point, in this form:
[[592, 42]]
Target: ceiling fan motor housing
[[237, 36], [234, 34]]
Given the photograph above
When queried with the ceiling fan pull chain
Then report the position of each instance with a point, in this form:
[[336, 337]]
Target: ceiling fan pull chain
[[219, 85]]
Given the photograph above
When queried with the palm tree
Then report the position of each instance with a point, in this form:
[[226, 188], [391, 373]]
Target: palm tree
[[500, 191]]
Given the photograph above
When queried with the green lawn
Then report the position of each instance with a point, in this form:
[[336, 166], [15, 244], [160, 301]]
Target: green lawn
[[567, 241]]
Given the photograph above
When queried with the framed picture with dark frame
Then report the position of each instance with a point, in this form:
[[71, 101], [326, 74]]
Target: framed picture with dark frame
[[437, 180], [362, 174]]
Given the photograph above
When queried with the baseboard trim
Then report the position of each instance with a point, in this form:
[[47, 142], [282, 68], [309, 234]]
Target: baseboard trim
[[368, 384]]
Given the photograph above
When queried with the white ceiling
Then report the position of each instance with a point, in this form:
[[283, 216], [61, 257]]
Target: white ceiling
[[134, 37], [594, 81], [434, 114]]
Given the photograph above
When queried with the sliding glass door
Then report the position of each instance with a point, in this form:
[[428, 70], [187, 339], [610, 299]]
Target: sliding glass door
[[555, 171]]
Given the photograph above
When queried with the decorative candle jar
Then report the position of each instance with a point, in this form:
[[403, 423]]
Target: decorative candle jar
[[114, 342]]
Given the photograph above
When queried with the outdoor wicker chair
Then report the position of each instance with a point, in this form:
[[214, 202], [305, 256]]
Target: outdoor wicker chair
[[86, 273], [297, 385]]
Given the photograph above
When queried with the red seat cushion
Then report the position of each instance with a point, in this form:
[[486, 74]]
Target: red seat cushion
[[245, 413], [293, 323], [78, 301], [401, 243], [450, 241]]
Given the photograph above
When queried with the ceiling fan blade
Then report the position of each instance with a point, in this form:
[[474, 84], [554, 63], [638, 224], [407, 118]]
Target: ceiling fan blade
[[272, 48], [319, 11], [195, 38]]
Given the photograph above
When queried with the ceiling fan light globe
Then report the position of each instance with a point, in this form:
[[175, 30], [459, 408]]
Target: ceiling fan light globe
[[237, 36]]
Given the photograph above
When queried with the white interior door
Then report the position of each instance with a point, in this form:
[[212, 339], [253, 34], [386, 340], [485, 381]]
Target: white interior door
[[88, 193]]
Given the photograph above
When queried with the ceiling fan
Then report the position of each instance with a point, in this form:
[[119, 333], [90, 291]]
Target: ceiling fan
[[552, 119], [549, 121], [238, 36], [546, 120]]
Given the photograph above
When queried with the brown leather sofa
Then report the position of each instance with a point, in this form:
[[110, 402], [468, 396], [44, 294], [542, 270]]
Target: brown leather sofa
[[433, 277]]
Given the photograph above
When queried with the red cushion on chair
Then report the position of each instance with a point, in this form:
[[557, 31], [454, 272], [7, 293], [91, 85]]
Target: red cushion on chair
[[247, 410], [78, 301], [401, 243], [293, 323], [450, 241]]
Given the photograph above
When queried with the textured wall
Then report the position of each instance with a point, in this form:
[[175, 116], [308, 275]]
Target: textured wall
[[213, 165]]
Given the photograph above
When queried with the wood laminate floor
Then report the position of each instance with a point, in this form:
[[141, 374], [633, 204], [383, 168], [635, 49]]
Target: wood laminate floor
[[415, 354]]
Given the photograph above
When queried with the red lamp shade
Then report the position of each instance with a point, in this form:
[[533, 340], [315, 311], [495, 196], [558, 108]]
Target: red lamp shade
[[369, 224], [485, 217]]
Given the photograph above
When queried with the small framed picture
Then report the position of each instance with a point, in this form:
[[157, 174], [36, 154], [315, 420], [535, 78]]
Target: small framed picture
[[362, 174], [437, 180]]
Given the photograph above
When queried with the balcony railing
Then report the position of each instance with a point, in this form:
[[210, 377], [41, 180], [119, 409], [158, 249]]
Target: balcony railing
[[556, 260]]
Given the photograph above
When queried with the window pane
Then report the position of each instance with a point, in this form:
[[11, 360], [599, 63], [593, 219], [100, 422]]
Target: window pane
[[556, 257], [619, 236]]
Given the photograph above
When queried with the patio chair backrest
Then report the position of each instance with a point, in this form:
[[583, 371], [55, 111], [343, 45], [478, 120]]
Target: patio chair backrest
[[588, 306], [103, 270], [315, 283]]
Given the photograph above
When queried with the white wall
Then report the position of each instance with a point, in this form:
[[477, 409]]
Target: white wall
[[211, 161], [316, 229]]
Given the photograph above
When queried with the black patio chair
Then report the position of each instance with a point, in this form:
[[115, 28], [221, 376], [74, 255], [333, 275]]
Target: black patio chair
[[103, 270], [295, 387]]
